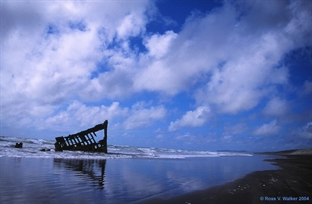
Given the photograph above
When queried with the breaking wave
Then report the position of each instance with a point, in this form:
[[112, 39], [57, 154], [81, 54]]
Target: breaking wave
[[32, 148]]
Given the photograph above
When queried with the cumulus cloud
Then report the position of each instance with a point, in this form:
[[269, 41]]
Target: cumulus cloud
[[158, 45], [78, 116], [267, 129], [306, 131], [141, 116], [72, 52], [65, 45], [243, 78], [132, 25], [155, 74], [307, 88], [236, 129], [195, 118], [50, 55], [236, 55], [117, 83], [276, 107], [225, 48]]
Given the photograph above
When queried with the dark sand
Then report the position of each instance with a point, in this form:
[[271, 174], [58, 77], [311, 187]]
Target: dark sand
[[293, 181]]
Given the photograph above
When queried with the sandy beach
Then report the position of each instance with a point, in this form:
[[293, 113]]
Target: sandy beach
[[150, 175], [290, 184]]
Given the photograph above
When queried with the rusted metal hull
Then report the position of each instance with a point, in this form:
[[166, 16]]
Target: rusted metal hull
[[84, 140]]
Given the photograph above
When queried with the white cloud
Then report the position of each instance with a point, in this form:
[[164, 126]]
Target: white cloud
[[158, 45], [140, 116], [267, 129], [156, 74], [276, 107], [307, 88], [78, 116], [180, 60], [241, 82], [231, 55], [238, 60], [117, 83], [53, 47], [236, 129], [50, 51], [306, 131], [298, 29], [195, 118], [157, 77], [131, 25]]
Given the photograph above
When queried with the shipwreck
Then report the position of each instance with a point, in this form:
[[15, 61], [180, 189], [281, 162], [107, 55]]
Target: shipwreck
[[84, 140]]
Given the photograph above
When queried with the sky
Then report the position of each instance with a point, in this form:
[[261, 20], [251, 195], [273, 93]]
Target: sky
[[198, 75]]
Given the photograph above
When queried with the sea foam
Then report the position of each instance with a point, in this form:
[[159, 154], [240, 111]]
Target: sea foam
[[31, 148]]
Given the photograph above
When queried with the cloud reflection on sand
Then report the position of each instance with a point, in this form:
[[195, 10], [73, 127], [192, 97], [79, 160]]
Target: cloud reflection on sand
[[55, 180]]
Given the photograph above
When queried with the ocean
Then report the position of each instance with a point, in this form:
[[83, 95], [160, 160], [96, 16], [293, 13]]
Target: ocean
[[125, 175]]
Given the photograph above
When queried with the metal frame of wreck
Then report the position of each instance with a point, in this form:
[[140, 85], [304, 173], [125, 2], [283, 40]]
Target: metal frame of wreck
[[84, 140]]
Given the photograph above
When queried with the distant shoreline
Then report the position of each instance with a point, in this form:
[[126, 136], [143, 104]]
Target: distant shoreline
[[289, 152], [293, 181]]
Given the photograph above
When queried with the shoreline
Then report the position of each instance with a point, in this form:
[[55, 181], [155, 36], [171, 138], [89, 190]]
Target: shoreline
[[292, 183]]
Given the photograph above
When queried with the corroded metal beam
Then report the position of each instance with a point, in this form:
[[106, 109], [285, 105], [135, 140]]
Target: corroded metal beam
[[84, 140]]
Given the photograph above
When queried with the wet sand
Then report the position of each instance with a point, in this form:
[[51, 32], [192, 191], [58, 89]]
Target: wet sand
[[290, 184]]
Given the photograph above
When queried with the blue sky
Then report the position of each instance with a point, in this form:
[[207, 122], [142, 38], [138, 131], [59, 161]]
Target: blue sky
[[201, 75]]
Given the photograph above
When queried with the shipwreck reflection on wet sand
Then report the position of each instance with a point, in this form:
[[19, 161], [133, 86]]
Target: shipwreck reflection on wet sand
[[91, 170]]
